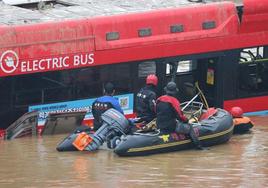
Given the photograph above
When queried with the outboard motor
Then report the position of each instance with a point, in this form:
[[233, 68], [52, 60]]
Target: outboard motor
[[114, 124]]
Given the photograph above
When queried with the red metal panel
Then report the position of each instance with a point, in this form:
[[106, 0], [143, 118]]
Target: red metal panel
[[47, 47], [55, 38], [224, 15], [249, 104], [255, 16], [255, 7], [180, 48]]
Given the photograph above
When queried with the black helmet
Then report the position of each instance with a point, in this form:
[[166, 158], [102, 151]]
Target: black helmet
[[108, 88], [171, 88]]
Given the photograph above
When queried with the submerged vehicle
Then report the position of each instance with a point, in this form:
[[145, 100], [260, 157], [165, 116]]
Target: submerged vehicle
[[215, 129]]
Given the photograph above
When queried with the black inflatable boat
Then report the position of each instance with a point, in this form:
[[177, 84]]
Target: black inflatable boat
[[114, 125], [67, 143], [216, 129]]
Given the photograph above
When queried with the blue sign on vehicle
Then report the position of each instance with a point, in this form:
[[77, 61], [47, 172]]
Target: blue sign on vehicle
[[125, 101]]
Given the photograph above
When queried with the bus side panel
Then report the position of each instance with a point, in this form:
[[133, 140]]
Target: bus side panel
[[252, 104], [55, 38], [255, 17], [159, 25], [47, 47]]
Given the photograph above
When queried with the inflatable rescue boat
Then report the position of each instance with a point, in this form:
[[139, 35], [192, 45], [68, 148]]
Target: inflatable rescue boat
[[215, 129], [114, 125], [67, 143]]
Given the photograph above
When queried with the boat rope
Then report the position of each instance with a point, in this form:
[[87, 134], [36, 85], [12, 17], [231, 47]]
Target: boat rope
[[157, 132], [202, 96]]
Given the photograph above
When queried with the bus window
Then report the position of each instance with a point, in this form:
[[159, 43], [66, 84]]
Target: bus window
[[42, 88], [253, 71], [146, 68], [249, 54], [28, 89], [68, 85], [184, 76], [183, 67], [88, 83], [58, 86], [120, 75], [5, 85]]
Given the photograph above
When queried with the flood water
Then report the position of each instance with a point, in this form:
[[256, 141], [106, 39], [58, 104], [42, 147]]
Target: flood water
[[34, 162]]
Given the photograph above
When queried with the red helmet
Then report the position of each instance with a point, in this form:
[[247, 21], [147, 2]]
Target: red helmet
[[236, 112], [152, 79]]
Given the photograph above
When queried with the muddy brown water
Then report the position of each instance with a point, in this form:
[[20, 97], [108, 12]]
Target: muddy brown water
[[34, 162]]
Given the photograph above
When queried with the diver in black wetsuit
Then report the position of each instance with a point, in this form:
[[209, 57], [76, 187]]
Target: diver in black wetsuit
[[169, 117], [145, 100], [101, 104]]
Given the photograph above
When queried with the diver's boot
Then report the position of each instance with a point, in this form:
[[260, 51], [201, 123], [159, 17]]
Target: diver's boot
[[195, 139]]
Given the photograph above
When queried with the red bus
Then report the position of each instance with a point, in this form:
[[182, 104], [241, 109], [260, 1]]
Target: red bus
[[221, 45]]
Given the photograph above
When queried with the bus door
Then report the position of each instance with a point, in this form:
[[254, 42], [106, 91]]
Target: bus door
[[182, 73], [210, 81], [207, 71]]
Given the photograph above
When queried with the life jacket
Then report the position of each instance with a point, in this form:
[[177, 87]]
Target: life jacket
[[102, 104], [145, 103], [175, 104], [242, 124], [167, 112], [241, 120]]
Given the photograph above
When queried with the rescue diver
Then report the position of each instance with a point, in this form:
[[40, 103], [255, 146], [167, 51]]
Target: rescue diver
[[101, 104], [169, 116], [242, 124], [146, 100]]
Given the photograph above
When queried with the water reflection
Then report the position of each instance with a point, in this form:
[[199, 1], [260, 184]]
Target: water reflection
[[34, 162]]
